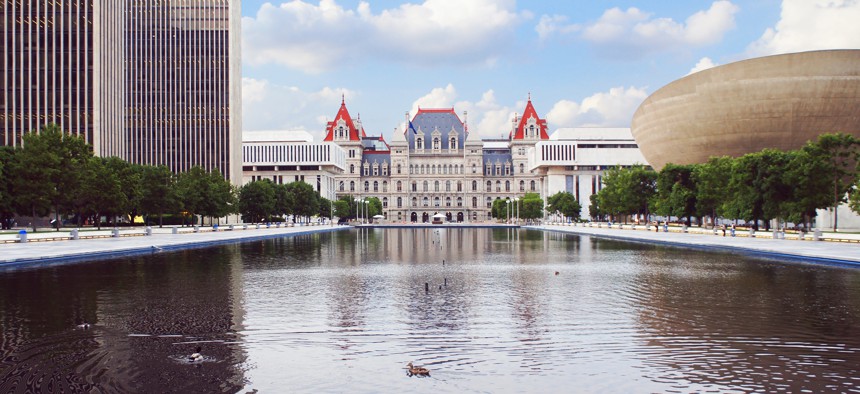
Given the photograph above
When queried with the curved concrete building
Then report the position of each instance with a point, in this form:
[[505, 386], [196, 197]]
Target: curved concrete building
[[779, 101]]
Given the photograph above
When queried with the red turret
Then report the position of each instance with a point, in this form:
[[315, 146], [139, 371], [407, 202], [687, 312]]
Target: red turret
[[342, 119], [530, 118]]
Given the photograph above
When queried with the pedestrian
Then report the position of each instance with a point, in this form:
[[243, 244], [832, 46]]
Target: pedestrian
[[724, 230]]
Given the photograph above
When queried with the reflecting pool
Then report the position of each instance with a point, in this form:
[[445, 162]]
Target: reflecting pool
[[485, 310]]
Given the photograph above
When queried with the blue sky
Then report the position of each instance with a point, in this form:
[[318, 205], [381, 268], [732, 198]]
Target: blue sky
[[585, 63]]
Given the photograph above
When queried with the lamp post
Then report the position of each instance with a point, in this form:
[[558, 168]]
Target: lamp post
[[508, 210], [357, 211], [517, 204]]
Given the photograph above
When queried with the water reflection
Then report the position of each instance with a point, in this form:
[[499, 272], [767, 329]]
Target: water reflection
[[483, 309]]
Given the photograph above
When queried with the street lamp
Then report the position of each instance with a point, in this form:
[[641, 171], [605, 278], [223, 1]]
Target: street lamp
[[508, 210], [357, 211], [517, 204]]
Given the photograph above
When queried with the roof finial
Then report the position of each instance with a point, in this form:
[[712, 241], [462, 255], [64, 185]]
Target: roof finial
[[342, 99], [530, 96]]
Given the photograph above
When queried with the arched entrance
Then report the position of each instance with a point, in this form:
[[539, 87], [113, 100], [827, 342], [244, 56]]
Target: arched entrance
[[425, 217], [414, 217], [459, 217], [448, 216]]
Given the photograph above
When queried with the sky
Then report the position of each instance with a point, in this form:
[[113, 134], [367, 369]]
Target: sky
[[584, 63]]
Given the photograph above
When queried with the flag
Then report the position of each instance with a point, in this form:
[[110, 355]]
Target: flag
[[412, 128]]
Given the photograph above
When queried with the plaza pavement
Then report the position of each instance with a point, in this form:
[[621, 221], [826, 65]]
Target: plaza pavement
[[763, 245], [47, 247]]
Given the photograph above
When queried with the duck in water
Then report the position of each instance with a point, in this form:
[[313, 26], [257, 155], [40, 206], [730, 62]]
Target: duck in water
[[196, 356], [420, 371]]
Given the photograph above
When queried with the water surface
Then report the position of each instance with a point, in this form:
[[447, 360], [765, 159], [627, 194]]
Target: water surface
[[504, 311]]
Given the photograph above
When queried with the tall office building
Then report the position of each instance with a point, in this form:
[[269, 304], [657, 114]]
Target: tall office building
[[151, 81]]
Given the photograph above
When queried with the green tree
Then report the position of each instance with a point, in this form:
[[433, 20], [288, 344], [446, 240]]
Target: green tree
[[102, 194], [48, 172], [220, 197], [594, 209], [500, 209], [257, 201], [712, 186], [627, 191], [676, 192], [854, 198], [374, 206], [7, 203], [158, 195], [758, 189], [344, 207], [284, 201], [565, 204], [530, 206], [305, 197], [191, 189], [130, 177], [325, 208]]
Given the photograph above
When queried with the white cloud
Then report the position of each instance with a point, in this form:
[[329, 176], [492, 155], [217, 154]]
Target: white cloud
[[277, 107], [555, 24], [703, 64], [811, 25], [614, 108], [316, 38], [635, 33]]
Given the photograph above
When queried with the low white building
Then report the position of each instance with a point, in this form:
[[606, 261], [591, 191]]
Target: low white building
[[291, 156], [574, 160]]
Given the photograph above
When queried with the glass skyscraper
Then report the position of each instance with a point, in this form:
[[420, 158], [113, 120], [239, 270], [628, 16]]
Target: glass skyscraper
[[151, 81]]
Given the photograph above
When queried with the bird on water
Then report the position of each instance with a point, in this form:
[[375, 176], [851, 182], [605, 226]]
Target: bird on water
[[196, 356], [419, 371]]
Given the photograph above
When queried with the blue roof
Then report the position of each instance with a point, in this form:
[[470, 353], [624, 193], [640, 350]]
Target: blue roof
[[430, 120]]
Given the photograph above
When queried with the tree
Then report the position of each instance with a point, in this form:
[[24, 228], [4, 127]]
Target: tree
[[854, 198], [7, 205], [257, 201], [531, 206], [500, 209], [325, 208], [344, 207], [130, 177], [374, 206], [191, 189], [48, 172], [676, 192], [594, 209], [823, 172], [758, 189], [627, 191], [158, 194], [102, 194], [220, 196], [712, 181], [565, 204], [305, 197], [284, 200]]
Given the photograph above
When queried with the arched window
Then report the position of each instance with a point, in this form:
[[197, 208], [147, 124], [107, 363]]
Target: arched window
[[459, 201], [533, 185], [436, 201], [498, 186], [426, 202], [352, 168], [522, 186], [342, 185], [489, 186], [453, 143], [375, 186], [384, 186], [414, 201], [474, 186], [366, 186], [489, 202], [447, 186], [459, 186], [399, 202], [507, 186], [399, 186], [419, 143], [474, 202], [426, 186], [385, 202], [414, 186], [436, 186], [474, 168], [398, 168], [410, 169], [436, 144], [447, 201], [522, 168], [352, 186]]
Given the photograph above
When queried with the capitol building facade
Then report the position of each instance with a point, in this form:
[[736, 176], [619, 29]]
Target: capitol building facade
[[434, 166]]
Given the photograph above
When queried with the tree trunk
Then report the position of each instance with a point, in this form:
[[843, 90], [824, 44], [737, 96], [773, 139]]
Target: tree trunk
[[160, 220]]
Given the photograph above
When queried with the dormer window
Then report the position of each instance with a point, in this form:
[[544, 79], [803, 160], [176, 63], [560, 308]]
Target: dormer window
[[436, 143], [419, 143]]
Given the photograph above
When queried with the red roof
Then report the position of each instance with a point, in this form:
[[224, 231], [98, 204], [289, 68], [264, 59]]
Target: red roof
[[342, 113], [529, 113]]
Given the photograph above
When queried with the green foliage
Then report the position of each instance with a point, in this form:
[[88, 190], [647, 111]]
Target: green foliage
[[530, 206], [103, 194], [594, 209], [565, 204], [158, 195], [500, 209], [344, 207], [627, 191], [305, 198], [374, 206], [325, 208], [257, 201], [854, 199], [676, 192], [7, 203], [712, 185]]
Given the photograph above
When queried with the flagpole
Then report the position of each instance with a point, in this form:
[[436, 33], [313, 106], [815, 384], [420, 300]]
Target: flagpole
[[465, 137], [408, 170]]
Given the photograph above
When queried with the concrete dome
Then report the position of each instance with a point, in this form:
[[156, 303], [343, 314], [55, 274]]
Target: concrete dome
[[779, 101]]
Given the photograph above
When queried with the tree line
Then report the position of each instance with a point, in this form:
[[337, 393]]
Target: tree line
[[54, 173], [758, 187]]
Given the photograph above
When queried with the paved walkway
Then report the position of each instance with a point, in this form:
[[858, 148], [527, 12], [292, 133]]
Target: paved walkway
[[837, 253], [133, 242]]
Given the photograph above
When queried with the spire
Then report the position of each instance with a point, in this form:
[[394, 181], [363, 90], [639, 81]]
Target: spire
[[342, 99]]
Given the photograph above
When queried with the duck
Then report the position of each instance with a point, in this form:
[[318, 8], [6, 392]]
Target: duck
[[420, 371], [84, 326], [196, 356]]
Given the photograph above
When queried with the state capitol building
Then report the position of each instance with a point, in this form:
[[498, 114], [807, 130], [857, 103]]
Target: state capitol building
[[435, 166]]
